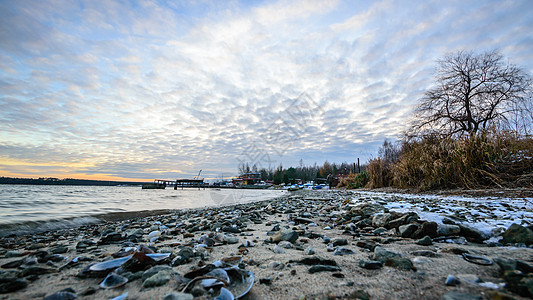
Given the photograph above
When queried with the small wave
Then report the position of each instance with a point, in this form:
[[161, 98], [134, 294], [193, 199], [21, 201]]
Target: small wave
[[42, 226]]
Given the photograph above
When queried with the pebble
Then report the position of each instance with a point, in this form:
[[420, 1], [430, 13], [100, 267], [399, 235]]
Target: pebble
[[231, 239], [277, 249], [178, 296], [323, 268], [309, 251], [158, 279], [452, 280], [343, 251], [425, 241], [285, 244], [370, 264]]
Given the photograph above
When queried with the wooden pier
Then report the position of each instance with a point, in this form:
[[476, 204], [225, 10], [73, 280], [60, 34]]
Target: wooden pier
[[190, 183]]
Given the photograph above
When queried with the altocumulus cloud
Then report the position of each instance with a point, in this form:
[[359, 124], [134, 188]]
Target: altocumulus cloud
[[155, 89]]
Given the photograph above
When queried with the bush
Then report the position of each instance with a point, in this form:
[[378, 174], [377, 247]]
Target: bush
[[379, 173], [490, 159]]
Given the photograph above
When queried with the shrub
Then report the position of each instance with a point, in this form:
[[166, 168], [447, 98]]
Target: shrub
[[489, 159]]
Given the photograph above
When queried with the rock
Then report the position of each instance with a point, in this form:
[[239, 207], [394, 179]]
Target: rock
[[276, 265], [425, 241], [10, 254], [285, 244], [427, 228], [230, 229], [285, 235], [178, 296], [36, 246], [359, 295], [38, 270], [369, 209], [231, 239], [472, 234], [266, 281], [154, 270], [10, 283], [381, 254], [400, 263], [406, 231], [111, 238], [59, 250], [299, 220], [315, 260], [370, 264], [452, 281], [448, 230], [518, 234], [340, 242], [381, 220], [426, 253], [513, 264], [453, 295], [158, 279], [518, 282], [343, 251], [323, 268], [63, 295], [309, 251]]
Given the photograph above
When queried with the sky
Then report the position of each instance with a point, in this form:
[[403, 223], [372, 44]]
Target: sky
[[137, 90]]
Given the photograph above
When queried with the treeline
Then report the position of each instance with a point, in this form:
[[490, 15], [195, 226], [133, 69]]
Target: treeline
[[65, 181], [326, 172]]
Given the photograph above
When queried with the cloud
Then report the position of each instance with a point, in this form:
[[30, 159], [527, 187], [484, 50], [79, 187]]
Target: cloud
[[161, 90]]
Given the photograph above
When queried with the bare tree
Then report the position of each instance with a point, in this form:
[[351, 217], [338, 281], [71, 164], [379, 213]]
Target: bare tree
[[474, 92]]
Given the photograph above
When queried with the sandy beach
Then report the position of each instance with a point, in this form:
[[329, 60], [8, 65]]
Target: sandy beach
[[306, 245]]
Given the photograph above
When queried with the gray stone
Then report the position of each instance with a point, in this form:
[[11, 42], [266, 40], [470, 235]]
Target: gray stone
[[343, 251], [518, 234], [231, 239], [323, 268], [452, 280], [427, 228], [400, 263], [154, 270], [63, 295], [340, 242], [425, 241], [453, 295], [381, 220], [370, 264], [472, 234], [285, 235], [309, 251], [178, 296], [406, 231], [10, 284], [381, 254], [285, 244], [158, 279], [448, 230], [59, 250]]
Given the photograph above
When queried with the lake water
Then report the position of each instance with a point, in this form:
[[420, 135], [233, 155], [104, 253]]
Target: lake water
[[27, 208]]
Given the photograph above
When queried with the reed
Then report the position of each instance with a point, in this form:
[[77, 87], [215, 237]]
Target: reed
[[487, 160]]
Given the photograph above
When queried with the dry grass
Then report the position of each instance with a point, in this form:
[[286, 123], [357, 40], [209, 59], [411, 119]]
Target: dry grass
[[485, 160]]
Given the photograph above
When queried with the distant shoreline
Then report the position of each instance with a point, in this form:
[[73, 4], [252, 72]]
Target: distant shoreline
[[66, 181]]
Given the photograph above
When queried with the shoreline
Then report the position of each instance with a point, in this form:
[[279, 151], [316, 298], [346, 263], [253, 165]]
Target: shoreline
[[263, 233]]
